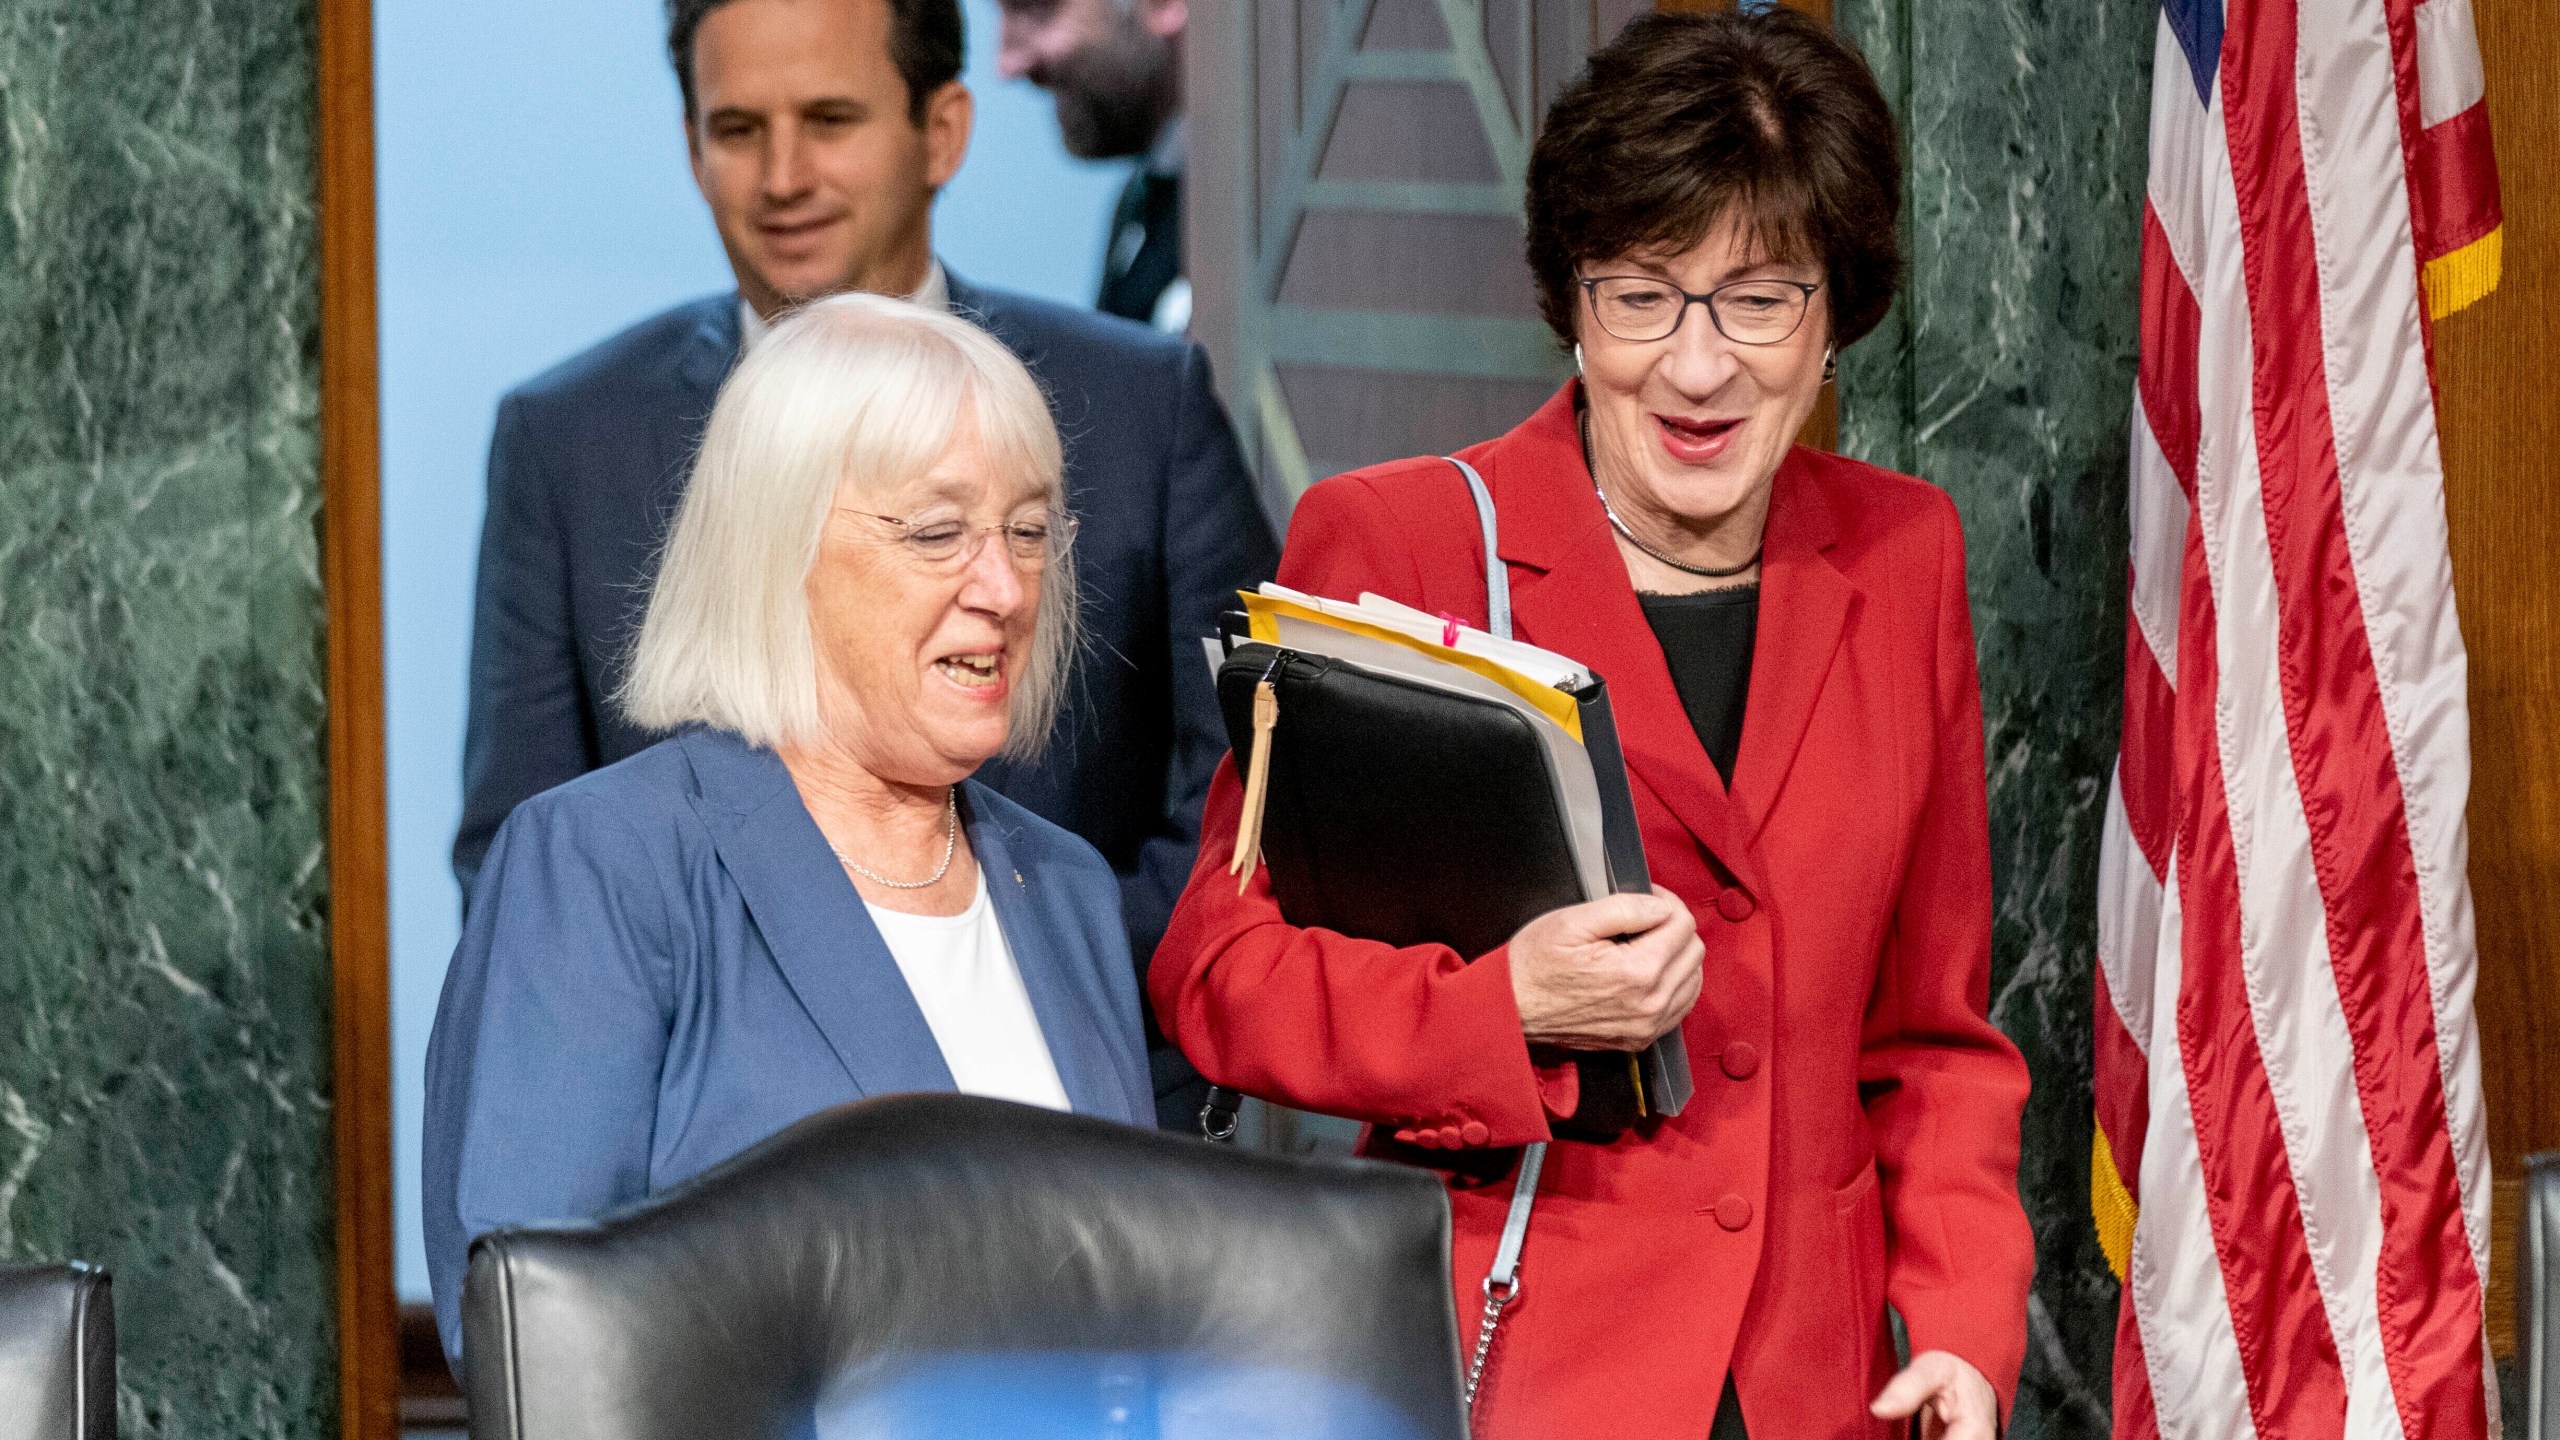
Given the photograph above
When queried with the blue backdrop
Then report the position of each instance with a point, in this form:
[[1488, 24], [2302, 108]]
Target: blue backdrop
[[534, 198]]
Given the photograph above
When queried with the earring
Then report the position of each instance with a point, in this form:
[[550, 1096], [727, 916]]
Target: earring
[[1577, 358], [1830, 364]]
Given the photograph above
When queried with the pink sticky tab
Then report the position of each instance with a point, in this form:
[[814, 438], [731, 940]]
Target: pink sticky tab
[[1448, 630]]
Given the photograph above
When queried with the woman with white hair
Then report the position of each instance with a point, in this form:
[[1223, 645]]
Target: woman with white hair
[[799, 898]]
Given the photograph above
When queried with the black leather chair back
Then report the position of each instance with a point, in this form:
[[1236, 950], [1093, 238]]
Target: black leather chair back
[[57, 1354], [836, 1258], [2538, 1298]]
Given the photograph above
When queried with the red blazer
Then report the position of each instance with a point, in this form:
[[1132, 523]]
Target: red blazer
[[1854, 1139]]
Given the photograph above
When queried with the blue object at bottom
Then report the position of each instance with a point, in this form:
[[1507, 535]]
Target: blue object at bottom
[[1050, 1396]]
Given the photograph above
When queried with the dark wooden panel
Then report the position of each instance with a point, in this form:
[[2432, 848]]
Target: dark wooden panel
[[2506, 1215], [359, 876], [2498, 410], [429, 1397]]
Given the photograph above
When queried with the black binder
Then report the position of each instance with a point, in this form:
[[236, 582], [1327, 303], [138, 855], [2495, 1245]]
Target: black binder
[[1408, 813]]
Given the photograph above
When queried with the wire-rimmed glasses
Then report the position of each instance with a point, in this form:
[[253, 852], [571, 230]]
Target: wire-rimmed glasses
[[948, 544], [1747, 312]]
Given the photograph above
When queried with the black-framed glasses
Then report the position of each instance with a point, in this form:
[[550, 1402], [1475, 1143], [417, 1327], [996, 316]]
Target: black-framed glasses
[[951, 544], [1746, 312]]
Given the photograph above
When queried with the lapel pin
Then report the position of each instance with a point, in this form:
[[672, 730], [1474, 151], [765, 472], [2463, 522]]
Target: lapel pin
[[1017, 877]]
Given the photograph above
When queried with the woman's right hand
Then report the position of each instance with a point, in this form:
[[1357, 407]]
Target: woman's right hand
[[1609, 974]]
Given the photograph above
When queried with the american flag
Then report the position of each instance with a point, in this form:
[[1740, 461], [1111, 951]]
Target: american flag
[[2291, 1166]]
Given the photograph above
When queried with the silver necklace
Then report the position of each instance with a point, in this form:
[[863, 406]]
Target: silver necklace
[[950, 847], [1681, 566], [1703, 571]]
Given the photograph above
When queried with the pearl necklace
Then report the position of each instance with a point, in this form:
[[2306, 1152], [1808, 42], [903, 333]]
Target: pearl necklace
[[950, 847]]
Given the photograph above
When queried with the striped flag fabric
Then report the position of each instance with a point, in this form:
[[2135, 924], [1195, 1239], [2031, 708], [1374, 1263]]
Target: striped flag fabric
[[2290, 1171]]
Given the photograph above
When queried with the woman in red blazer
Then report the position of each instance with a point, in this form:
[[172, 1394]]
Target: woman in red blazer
[[1786, 640]]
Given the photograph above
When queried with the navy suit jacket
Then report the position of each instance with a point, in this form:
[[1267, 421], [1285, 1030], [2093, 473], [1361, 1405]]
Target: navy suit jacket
[[665, 964], [590, 459]]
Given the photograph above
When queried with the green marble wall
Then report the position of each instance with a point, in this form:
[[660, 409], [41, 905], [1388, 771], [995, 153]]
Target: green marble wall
[[164, 1023], [2006, 376]]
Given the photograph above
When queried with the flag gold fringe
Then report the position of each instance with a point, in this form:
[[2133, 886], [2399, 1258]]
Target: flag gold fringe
[[2456, 279], [2110, 1204]]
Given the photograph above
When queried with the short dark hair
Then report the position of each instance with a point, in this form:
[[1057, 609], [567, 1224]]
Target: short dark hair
[[1684, 117], [928, 40]]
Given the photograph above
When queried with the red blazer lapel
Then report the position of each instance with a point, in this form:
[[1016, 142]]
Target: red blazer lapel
[[1578, 600], [1804, 610]]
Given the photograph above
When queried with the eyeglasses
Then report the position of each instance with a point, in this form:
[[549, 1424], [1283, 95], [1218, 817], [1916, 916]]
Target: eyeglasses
[[951, 544], [1746, 312]]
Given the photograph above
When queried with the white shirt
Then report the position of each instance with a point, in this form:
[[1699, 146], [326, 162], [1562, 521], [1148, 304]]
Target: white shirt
[[933, 294], [964, 978]]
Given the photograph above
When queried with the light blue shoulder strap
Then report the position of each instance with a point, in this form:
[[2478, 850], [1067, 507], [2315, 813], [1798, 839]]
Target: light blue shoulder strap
[[1502, 1282], [1497, 577]]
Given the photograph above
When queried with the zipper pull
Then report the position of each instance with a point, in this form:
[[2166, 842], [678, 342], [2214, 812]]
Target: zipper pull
[[1257, 785]]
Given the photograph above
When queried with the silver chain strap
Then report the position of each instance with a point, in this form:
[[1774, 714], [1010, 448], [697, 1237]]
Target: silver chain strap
[[1495, 1298], [1502, 1281]]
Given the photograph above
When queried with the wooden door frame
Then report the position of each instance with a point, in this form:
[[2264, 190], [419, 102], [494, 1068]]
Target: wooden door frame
[[359, 868]]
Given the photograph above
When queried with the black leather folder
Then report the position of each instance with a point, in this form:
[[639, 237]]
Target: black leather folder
[[1404, 812]]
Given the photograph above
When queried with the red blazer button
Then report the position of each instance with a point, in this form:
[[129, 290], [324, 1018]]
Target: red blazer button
[[1411, 1137], [1733, 1212], [1741, 1059], [1734, 905], [1474, 1133], [1451, 1137]]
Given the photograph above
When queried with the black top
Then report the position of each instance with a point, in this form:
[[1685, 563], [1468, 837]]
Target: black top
[[1707, 640]]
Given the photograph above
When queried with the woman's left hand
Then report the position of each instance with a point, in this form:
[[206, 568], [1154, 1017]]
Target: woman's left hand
[[1952, 1399]]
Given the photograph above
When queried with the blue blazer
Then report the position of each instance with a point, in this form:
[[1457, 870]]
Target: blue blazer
[[666, 964], [589, 460]]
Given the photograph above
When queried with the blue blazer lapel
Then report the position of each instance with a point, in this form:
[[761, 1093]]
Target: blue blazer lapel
[[811, 918], [1067, 989]]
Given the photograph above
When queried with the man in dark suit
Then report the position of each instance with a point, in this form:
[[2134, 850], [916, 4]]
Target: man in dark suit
[[819, 131], [1114, 69]]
